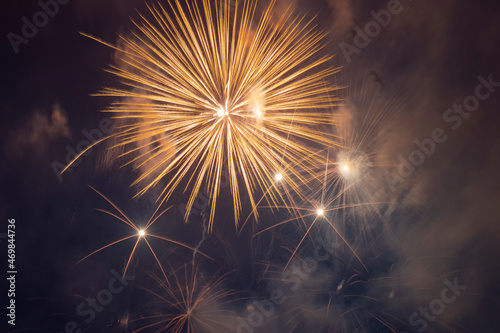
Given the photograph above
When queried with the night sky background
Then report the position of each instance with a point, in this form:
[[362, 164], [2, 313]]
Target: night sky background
[[441, 222]]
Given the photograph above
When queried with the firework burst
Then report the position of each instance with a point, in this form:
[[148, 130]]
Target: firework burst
[[346, 200], [188, 302], [234, 91], [367, 117], [140, 233]]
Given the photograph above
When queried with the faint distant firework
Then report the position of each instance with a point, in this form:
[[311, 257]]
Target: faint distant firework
[[188, 301], [328, 289]]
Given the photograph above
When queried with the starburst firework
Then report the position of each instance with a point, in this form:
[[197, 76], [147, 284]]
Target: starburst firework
[[235, 92], [141, 234]]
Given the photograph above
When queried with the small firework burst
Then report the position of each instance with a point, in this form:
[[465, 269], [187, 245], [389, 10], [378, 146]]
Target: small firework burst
[[187, 301], [139, 232]]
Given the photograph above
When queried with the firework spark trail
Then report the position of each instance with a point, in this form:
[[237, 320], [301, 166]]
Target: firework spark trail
[[234, 91], [140, 233]]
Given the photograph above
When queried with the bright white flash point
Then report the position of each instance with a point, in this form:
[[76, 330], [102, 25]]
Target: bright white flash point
[[258, 112], [141, 233], [221, 113], [345, 167], [320, 212], [340, 286], [279, 176]]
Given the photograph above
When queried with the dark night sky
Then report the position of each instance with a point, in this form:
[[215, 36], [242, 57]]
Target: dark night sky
[[444, 217]]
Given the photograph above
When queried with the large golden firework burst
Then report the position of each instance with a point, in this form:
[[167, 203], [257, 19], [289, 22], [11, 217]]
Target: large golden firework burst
[[235, 90]]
